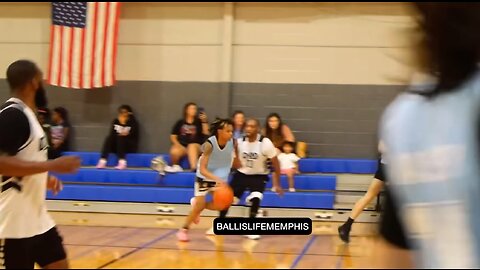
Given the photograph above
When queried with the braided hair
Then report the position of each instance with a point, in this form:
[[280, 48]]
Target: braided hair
[[219, 124]]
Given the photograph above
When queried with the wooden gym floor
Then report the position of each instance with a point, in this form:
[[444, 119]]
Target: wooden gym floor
[[111, 241]]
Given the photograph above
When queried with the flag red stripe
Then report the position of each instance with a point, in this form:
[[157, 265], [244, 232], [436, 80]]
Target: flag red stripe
[[70, 55], [105, 35], [50, 66], [94, 27], [115, 37], [59, 79], [82, 49]]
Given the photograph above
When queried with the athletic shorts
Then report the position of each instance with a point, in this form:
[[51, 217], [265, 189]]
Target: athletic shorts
[[241, 182], [23, 253], [287, 171], [380, 174], [202, 187]]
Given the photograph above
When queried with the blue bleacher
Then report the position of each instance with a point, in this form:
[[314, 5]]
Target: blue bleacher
[[317, 200], [146, 185], [307, 165], [185, 179]]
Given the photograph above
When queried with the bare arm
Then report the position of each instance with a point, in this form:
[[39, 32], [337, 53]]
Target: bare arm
[[207, 151], [18, 167], [237, 164], [174, 139], [288, 134]]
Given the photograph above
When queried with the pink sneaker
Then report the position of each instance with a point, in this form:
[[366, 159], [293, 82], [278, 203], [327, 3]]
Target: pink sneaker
[[102, 163], [182, 235], [192, 203], [122, 164]]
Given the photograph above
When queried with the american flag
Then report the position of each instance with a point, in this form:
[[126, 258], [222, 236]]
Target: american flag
[[83, 44]]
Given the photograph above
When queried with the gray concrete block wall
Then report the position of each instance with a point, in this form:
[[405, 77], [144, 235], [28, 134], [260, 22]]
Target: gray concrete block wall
[[335, 120]]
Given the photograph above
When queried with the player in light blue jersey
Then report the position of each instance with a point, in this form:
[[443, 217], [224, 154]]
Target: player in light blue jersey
[[213, 170], [432, 140]]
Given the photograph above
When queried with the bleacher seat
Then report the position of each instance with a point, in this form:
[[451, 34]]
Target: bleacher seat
[[148, 177], [307, 165], [316, 200]]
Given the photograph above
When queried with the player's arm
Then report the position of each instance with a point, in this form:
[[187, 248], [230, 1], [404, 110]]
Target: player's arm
[[237, 164], [207, 152], [18, 167]]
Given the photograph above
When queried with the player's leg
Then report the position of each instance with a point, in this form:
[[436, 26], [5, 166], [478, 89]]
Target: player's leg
[[49, 250], [256, 184], [198, 204], [375, 187], [238, 186], [16, 254], [193, 152]]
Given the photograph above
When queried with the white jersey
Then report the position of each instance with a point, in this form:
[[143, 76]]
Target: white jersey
[[254, 155], [23, 211]]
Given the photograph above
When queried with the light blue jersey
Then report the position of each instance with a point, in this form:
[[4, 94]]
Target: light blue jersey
[[220, 161], [432, 149]]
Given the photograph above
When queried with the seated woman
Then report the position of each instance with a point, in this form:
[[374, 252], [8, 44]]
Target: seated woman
[[277, 131], [187, 136], [59, 133], [238, 119], [123, 138]]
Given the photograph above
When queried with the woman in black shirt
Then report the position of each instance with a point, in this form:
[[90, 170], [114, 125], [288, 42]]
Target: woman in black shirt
[[187, 136], [123, 138]]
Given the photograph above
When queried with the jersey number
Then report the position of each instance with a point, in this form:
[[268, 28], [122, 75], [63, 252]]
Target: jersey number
[[249, 163]]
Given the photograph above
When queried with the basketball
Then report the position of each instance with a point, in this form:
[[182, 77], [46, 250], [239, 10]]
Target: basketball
[[223, 197]]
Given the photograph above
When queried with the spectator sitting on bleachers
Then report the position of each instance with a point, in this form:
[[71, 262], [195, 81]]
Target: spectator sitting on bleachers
[[43, 115], [122, 139], [59, 133], [238, 119], [187, 136], [277, 131], [289, 164]]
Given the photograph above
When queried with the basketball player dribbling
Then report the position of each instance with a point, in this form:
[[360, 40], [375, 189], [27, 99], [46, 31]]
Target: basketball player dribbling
[[28, 234], [253, 152], [213, 170]]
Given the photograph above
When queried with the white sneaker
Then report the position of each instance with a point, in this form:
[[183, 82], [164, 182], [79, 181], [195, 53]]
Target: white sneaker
[[210, 231], [173, 169], [291, 190], [252, 237]]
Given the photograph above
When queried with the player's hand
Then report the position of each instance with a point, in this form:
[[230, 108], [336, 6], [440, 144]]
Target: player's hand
[[65, 164], [54, 184]]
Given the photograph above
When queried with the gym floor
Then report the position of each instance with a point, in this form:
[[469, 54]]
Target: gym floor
[[95, 240]]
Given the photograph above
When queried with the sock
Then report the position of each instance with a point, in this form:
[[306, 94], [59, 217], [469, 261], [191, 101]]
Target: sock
[[349, 222], [254, 207]]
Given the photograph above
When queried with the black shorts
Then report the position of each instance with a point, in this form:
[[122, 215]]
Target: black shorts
[[23, 253], [380, 174], [241, 182]]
